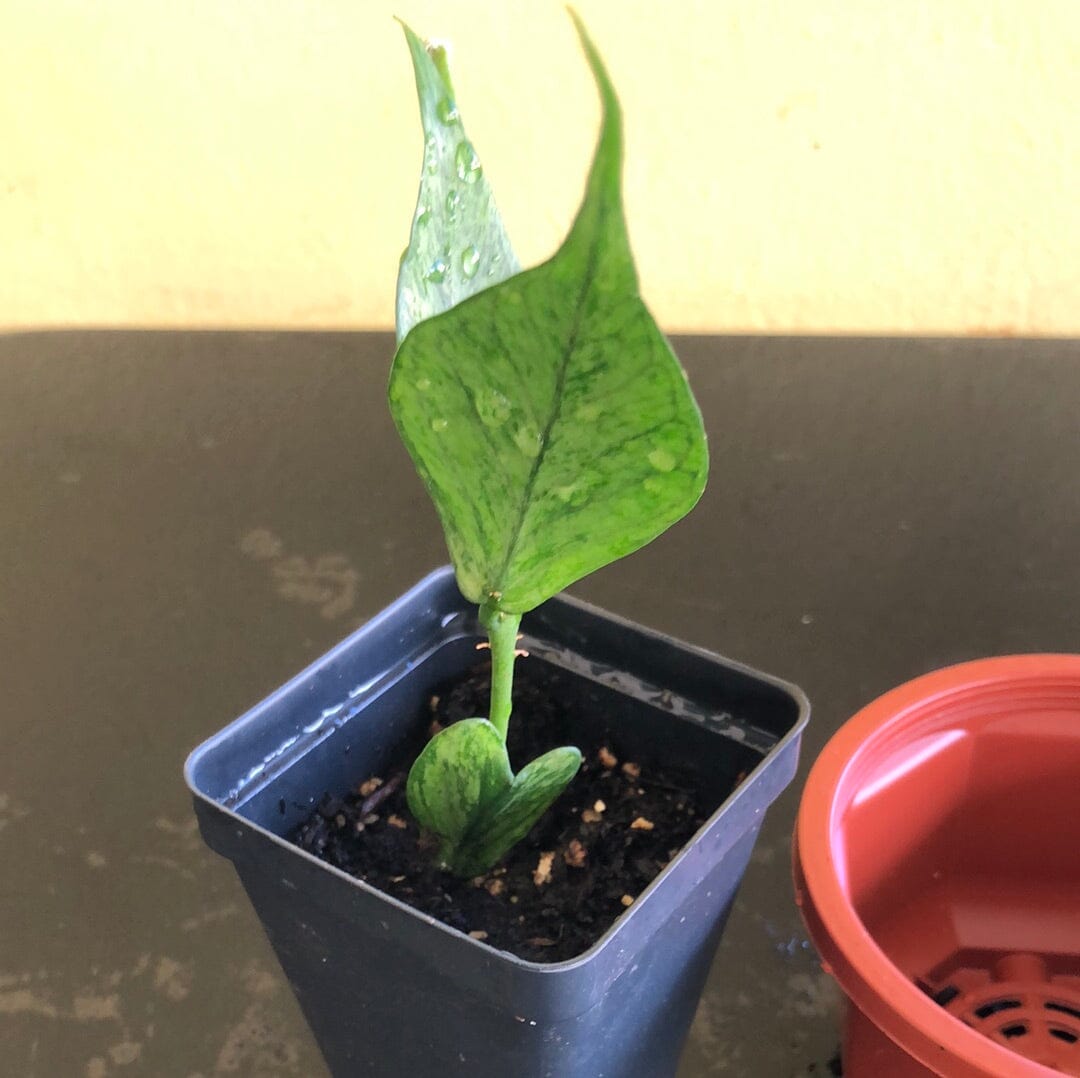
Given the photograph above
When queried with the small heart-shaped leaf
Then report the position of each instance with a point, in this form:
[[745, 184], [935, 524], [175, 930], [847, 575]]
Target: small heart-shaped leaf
[[462, 771], [510, 817]]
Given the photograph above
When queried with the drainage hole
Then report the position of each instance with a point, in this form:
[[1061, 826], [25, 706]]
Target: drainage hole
[[987, 1009], [1017, 1029], [944, 996], [1061, 1008], [1064, 1035]]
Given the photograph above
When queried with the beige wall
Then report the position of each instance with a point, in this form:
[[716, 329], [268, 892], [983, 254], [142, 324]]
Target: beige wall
[[863, 165]]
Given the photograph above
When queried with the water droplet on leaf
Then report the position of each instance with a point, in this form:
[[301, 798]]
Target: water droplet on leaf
[[423, 384], [470, 261], [653, 485], [492, 407], [453, 203], [439, 425], [662, 460], [468, 164], [528, 439], [436, 273], [447, 111]]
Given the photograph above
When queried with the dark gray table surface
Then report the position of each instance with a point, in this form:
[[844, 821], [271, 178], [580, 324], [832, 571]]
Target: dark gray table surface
[[186, 519]]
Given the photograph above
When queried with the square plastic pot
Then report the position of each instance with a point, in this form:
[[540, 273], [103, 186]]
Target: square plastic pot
[[388, 990]]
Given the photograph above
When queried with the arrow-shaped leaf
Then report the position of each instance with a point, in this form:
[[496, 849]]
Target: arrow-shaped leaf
[[547, 416], [458, 245]]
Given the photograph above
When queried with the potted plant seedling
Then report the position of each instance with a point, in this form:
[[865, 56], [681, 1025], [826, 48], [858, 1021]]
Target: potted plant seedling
[[492, 913], [552, 426]]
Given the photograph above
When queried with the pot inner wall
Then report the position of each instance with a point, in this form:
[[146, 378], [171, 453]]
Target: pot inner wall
[[956, 834]]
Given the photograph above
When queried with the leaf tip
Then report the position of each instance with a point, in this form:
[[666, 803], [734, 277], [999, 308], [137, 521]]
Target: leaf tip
[[428, 50], [411, 35], [596, 63]]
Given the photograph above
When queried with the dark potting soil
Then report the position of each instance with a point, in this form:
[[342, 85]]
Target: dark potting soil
[[584, 863]]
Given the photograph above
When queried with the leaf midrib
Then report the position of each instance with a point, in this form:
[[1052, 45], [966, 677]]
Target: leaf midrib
[[560, 383]]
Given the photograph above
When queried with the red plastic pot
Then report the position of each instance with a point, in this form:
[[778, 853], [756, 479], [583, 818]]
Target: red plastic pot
[[937, 865]]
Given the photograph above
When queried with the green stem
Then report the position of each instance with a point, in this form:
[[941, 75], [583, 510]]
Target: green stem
[[502, 631]]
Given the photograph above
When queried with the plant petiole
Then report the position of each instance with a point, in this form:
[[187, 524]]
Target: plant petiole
[[502, 629]]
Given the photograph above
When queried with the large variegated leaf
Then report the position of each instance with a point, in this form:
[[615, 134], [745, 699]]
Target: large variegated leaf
[[548, 417]]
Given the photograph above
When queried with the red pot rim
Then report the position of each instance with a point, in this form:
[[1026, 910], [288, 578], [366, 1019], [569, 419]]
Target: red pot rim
[[868, 977]]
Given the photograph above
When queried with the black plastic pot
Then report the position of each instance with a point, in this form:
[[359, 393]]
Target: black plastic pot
[[388, 990]]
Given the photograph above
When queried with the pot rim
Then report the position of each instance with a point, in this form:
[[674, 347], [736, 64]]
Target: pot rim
[[866, 975]]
